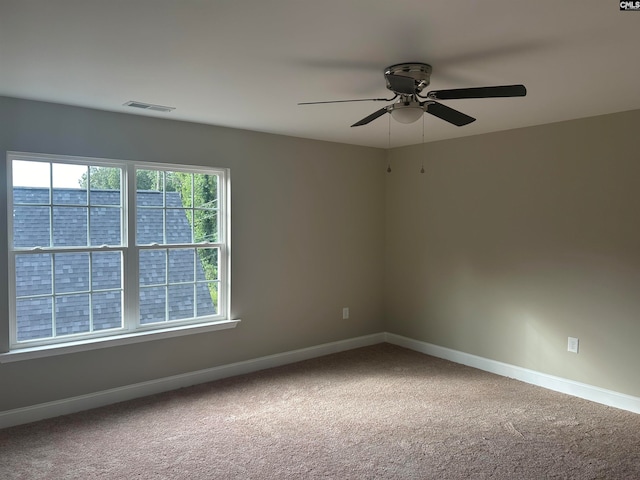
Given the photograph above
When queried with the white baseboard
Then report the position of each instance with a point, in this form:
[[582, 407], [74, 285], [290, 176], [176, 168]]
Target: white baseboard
[[66, 406], [558, 384]]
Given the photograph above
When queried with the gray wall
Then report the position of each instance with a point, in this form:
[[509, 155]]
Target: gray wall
[[513, 241], [307, 236]]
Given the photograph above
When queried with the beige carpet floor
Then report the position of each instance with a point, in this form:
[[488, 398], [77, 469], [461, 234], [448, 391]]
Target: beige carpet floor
[[375, 412]]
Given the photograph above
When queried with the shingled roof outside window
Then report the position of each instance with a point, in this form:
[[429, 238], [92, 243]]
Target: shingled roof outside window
[[76, 272]]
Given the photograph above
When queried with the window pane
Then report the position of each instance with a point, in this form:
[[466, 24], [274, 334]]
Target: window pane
[[179, 226], [72, 314], [27, 195], [106, 197], [149, 199], [153, 267], [34, 318], [105, 185], [181, 302], [174, 200], [31, 174], [106, 270], [153, 304], [31, 227], [69, 175], [206, 226], [68, 187], [207, 297], [208, 264], [150, 181], [33, 275], [67, 196], [181, 265], [105, 226], [206, 190], [150, 226], [70, 226], [107, 310], [183, 184], [72, 272]]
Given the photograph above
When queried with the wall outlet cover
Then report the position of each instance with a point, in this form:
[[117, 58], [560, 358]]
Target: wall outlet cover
[[572, 345]]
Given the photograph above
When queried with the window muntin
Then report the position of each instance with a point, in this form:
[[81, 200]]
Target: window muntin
[[73, 250]]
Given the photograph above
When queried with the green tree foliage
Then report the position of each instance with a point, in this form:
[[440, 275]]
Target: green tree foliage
[[201, 191], [102, 178]]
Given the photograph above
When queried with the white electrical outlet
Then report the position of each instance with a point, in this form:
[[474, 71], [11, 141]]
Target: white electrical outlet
[[572, 345], [345, 313]]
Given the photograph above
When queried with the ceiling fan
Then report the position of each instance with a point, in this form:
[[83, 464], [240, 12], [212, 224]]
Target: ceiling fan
[[408, 80]]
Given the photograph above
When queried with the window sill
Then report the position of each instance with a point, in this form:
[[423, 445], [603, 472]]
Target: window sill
[[105, 342]]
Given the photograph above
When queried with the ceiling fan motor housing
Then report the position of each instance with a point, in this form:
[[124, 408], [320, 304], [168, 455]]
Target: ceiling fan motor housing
[[420, 72]]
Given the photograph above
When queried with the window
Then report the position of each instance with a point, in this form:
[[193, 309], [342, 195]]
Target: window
[[102, 248]]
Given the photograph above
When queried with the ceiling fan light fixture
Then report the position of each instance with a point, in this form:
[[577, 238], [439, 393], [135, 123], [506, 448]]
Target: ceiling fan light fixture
[[407, 113]]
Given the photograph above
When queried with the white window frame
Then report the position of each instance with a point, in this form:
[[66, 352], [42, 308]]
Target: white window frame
[[132, 331]]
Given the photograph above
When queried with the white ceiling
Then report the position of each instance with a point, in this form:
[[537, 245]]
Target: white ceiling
[[247, 63]]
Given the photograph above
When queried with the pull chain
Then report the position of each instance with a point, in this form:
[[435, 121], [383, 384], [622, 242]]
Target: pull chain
[[389, 148], [422, 168]]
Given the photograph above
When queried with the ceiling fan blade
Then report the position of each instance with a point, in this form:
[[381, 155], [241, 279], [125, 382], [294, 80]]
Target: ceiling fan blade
[[479, 92], [345, 101], [448, 114], [401, 84], [372, 117]]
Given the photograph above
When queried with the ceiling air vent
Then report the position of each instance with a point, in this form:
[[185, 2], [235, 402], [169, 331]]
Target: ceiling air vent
[[148, 106]]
